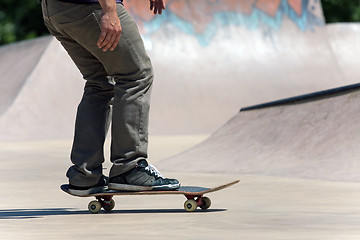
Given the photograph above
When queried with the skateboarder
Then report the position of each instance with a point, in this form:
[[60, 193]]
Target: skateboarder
[[104, 43]]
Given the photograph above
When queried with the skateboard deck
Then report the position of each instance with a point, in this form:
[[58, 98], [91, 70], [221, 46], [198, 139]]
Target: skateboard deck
[[194, 194]]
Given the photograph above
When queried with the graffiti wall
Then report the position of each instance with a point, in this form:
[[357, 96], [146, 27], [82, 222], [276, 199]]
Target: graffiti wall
[[202, 18]]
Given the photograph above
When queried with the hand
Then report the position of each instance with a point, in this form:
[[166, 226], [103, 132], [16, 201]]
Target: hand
[[110, 30], [157, 6]]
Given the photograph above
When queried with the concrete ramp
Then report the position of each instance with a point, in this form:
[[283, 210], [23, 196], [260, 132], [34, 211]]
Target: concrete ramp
[[17, 63], [43, 104], [314, 136], [210, 58]]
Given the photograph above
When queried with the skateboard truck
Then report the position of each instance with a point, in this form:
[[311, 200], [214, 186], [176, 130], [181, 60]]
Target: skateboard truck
[[105, 202], [195, 201]]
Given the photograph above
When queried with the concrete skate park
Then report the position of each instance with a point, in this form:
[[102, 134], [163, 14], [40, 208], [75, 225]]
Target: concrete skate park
[[261, 91]]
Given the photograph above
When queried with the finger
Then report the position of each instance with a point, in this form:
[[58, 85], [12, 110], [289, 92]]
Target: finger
[[160, 6], [116, 42], [151, 5], [160, 10], [156, 11], [106, 41], [110, 42], [155, 3], [101, 39]]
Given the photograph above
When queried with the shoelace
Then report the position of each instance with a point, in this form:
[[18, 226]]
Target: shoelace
[[154, 171]]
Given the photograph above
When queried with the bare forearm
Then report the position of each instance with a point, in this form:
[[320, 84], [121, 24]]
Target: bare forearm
[[108, 5]]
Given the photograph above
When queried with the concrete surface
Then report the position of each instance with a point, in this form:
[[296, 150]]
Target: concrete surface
[[210, 60], [43, 103], [25, 56], [33, 206], [315, 139]]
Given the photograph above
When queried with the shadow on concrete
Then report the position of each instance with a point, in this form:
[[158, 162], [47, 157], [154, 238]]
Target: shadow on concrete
[[38, 213]]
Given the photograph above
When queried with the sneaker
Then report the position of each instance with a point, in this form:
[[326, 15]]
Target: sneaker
[[101, 186], [144, 177]]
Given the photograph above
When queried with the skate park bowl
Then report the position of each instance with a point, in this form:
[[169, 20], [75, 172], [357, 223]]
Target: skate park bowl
[[258, 90], [210, 58]]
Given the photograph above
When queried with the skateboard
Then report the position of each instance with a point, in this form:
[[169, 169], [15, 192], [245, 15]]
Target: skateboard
[[194, 194]]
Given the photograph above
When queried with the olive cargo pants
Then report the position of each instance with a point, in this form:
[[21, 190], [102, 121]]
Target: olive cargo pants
[[117, 90]]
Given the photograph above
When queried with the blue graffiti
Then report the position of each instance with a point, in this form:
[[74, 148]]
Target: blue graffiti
[[258, 18]]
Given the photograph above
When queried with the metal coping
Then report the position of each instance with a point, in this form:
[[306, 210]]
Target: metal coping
[[306, 98]]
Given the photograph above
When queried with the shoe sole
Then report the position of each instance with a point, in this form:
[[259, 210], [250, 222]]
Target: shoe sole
[[135, 188], [82, 193]]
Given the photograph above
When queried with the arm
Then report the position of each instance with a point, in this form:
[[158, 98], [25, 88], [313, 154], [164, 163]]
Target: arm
[[110, 23], [110, 26]]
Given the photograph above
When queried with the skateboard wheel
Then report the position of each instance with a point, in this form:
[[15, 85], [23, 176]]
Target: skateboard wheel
[[190, 205], [94, 206], [110, 206], [205, 203]]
